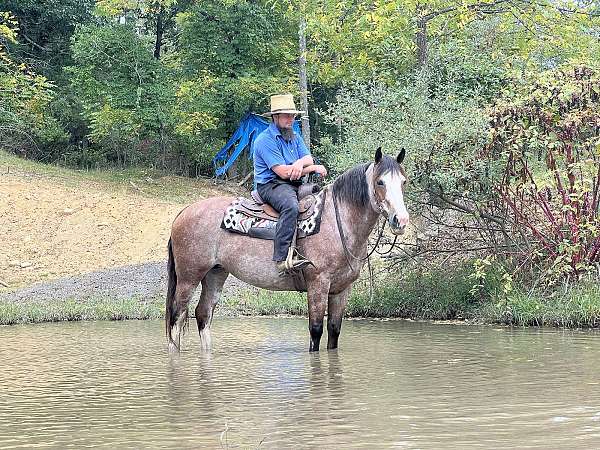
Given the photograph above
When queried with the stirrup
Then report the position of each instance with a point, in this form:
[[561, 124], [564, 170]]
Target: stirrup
[[296, 265], [294, 262]]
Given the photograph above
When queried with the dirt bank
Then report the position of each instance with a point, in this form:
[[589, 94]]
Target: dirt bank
[[57, 223]]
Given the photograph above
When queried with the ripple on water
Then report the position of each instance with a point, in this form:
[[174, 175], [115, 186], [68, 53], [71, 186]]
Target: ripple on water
[[391, 384]]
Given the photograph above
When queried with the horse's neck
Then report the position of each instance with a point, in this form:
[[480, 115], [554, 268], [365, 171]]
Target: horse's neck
[[357, 222]]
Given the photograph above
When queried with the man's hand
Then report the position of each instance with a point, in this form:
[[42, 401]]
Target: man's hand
[[315, 168], [296, 170], [321, 170]]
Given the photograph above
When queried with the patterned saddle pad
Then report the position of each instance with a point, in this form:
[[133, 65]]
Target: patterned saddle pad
[[256, 220]]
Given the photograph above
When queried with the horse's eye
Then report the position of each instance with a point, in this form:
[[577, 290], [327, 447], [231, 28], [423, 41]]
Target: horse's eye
[[380, 183]]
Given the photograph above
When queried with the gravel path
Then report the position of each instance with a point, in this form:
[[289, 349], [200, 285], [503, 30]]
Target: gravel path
[[142, 281]]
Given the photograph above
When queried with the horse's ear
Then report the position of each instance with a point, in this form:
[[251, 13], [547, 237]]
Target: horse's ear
[[401, 156], [378, 155]]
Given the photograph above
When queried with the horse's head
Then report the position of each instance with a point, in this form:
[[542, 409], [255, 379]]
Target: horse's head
[[387, 182]]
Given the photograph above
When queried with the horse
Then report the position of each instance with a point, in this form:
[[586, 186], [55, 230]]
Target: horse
[[201, 252]]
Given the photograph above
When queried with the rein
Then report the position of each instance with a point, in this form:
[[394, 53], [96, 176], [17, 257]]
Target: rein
[[347, 252]]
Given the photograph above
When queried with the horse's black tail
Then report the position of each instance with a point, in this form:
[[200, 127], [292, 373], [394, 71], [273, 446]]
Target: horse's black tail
[[171, 312]]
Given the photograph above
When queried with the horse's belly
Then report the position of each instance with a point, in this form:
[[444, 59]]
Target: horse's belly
[[249, 260], [264, 281]]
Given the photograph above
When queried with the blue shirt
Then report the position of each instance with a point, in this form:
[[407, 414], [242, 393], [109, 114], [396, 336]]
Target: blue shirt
[[271, 149]]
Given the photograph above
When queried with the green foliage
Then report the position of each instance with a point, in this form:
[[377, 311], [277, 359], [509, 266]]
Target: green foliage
[[45, 30], [491, 280], [438, 295], [546, 136], [25, 119], [124, 93], [440, 132], [356, 40], [471, 65], [233, 56], [234, 39]]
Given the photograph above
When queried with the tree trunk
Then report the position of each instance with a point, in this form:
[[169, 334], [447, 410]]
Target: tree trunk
[[160, 29], [421, 37], [302, 79]]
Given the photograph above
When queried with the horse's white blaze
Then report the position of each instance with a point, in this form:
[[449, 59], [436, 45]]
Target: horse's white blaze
[[393, 182]]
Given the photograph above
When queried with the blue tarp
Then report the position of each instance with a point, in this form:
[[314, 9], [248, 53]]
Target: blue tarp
[[250, 127]]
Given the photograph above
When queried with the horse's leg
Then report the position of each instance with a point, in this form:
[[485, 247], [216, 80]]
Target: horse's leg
[[212, 284], [317, 302], [181, 285], [335, 314], [179, 311]]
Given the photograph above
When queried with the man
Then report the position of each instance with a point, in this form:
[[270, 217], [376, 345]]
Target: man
[[280, 160]]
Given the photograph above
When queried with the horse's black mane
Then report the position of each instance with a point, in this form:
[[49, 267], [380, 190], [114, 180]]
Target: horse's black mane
[[352, 186]]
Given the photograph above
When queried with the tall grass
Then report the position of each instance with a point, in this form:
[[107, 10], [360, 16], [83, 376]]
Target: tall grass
[[579, 306], [264, 303], [432, 295], [70, 310]]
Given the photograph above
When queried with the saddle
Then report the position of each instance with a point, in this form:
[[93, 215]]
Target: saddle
[[258, 219]]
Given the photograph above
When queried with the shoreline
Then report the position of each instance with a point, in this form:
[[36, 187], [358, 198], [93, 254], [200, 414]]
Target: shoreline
[[137, 292]]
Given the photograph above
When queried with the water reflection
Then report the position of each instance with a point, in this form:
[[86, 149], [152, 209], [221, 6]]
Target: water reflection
[[391, 384]]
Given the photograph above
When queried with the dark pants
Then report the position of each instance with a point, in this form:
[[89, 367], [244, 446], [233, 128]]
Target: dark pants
[[283, 196]]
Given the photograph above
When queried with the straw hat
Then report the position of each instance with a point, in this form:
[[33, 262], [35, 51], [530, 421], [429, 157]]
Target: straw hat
[[282, 104]]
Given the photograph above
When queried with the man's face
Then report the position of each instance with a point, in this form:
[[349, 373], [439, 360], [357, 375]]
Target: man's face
[[284, 121]]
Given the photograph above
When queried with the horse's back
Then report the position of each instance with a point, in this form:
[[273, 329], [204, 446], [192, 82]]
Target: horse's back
[[201, 213]]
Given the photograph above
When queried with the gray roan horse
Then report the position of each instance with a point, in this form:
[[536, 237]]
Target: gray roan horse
[[201, 252]]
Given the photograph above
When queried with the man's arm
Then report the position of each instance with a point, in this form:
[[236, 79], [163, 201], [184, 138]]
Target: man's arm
[[296, 170], [285, 171], [317, 168], [306, 161]]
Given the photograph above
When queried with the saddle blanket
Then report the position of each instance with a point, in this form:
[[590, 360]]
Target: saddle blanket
[[247, 217]]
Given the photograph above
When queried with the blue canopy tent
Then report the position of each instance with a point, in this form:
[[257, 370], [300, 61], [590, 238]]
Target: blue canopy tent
[[249, 128]]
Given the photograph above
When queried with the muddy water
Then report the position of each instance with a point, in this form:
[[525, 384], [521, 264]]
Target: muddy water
[[391, 384]]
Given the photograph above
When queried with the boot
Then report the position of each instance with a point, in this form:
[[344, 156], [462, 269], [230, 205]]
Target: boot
[[293, 264], [294, 260]]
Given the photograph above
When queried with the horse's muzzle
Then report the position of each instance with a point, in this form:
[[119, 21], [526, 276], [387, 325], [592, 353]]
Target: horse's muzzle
[[398, 224]]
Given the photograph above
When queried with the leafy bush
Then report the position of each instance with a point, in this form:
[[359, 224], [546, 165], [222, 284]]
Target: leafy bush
[[440, 132], [25, 119], [546, 135]]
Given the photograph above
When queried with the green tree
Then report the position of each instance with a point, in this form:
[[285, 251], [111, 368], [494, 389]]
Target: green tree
[[45, 30], [25, 122], [125, 94], [232, 56], [157, 16]]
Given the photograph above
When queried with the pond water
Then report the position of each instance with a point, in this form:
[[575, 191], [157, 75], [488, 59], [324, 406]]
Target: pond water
[[392, 384]]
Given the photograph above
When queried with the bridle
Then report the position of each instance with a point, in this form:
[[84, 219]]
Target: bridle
[[379, 209]]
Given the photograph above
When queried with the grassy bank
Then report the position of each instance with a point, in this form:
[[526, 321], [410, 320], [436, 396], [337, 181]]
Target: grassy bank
[[577, 307], [249, 303], [71, 310], [425, 296]]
